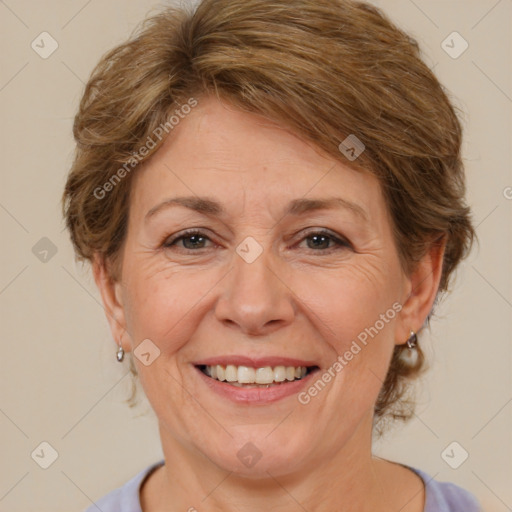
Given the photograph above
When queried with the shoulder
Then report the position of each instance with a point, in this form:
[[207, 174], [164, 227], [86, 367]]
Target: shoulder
[[125, 498], [446, 496]]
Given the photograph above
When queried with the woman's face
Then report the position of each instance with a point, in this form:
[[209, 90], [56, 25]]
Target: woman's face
[[268, 278]]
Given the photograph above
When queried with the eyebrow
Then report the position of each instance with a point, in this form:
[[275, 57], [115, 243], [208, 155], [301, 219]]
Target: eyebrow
[[208, 206]]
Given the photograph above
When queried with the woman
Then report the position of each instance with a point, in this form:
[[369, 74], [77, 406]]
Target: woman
[[271, 195]]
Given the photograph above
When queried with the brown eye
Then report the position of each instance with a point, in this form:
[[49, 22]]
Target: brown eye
[[190, 240], [324, 241]]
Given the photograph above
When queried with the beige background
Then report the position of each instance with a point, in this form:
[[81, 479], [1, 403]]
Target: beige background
[[60, 382]]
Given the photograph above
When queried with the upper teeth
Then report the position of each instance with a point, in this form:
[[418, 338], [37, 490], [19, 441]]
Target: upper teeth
[[248, 375]]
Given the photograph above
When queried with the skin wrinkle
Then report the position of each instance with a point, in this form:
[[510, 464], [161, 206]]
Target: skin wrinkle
[[294, 302], [289, 301]]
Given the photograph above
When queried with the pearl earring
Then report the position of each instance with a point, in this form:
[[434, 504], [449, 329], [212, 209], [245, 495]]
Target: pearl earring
[[120, 353]]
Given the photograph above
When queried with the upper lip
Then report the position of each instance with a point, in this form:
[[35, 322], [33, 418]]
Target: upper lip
[[254, 362]]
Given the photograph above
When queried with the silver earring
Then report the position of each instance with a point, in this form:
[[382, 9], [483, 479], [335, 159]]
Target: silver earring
[[412, 342], [410, 356], [120, 353]]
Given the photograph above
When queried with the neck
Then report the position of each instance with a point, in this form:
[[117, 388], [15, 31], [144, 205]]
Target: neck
[[349, 479]]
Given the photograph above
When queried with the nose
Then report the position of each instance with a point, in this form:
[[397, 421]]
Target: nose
[[254, 298]]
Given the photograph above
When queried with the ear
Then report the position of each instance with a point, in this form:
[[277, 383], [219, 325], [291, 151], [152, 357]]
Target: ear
[[420, 291], [111, 295]]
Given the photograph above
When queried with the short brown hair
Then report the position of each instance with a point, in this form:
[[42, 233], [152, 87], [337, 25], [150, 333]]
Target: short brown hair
[[324, 69]]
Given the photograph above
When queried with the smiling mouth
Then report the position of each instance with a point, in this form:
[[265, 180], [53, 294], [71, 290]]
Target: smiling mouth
[[249, 377]]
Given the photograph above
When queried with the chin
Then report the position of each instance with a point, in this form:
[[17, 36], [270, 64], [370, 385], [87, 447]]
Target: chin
[[265, 452]]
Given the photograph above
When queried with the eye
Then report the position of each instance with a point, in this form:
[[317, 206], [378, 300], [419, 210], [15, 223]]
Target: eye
[[191, 239], [323, 240], [194, 239]]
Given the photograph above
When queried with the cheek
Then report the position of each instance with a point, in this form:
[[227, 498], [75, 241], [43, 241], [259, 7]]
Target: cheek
[[345, 304], [164, 303], [352, 311], [163, 306]]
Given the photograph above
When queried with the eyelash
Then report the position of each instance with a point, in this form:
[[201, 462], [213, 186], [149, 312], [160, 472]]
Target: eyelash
[[339, 242]]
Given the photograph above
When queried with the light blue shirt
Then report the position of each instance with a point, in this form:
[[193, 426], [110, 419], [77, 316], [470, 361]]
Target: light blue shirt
[[439, 496]]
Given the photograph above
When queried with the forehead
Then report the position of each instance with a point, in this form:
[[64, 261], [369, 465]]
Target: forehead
[[217, 150]]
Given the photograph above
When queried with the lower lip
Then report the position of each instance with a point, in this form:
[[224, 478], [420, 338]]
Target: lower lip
[[256, 396]]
